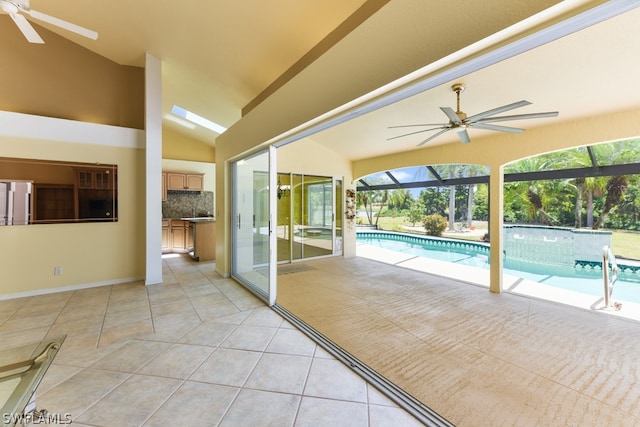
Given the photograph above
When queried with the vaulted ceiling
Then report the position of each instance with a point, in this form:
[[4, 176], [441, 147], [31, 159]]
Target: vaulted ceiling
[[219, 57]]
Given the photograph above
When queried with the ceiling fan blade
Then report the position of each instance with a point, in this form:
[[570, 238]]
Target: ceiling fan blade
[[63, 24], [423, 124], [464, 136], [27, 30], [498, 110], [419, 131], [435, 135], [451, 114], [519, 117], [497, 128]]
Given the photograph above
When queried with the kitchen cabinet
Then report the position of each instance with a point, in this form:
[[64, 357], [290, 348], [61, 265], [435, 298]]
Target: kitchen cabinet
[[94, 179], [164, 187], [185, 181], [178, 240], [197, 237], [177, 236], [166, 236], [204, 236], [95, 193], [189, 231]]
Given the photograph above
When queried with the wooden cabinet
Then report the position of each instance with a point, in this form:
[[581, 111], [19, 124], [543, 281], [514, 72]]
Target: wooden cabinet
[[197, 238], [95, 179], [178, 238], [52, 203], [185, 181], [205, 240], [95, 193], [166, 236], [188, 233], [164, 187]]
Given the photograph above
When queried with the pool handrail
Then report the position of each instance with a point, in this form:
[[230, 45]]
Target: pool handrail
[[608, 258]]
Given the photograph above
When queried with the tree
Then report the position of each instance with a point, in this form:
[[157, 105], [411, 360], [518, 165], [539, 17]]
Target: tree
[[381, 197], [470, 205], [434, 200], [578, 209], [452, 207], [363, 200], [416, 212], [400, 199], [616, 186]]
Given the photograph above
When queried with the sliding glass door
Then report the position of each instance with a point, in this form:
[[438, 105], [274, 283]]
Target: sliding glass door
[[253, 243], [309, 216]]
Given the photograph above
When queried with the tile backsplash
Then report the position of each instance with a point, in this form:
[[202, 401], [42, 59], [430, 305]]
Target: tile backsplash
[[187, 204]]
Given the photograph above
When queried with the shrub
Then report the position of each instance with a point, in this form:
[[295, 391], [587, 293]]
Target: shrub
[[434, 224]]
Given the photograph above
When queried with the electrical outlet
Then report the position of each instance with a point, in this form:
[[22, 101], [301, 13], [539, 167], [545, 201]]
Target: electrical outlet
[[57, 270]]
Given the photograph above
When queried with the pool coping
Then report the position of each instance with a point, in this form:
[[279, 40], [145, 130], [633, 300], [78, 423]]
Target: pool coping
[[481, 277]]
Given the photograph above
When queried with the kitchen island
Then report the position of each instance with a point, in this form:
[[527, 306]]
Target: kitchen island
[[204, 238]]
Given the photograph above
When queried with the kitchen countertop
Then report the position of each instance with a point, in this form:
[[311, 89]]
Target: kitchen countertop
[[199, 219], [192, 219]]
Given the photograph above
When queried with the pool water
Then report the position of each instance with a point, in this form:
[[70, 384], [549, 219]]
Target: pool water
[[584, 280]]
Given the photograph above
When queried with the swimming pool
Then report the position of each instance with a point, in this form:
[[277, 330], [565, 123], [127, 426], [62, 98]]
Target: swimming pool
[[585, 278]]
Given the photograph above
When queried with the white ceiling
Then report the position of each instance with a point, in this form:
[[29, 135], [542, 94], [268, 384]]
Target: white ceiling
[[588, 73], [219, 55]]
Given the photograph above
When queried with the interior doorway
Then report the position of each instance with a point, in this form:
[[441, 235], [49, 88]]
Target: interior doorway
[[309, 216]]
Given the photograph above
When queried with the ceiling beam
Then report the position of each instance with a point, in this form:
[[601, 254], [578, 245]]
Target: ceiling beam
[[614, 170]]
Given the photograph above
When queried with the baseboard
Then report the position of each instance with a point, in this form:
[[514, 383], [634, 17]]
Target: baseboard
[[68, 288]]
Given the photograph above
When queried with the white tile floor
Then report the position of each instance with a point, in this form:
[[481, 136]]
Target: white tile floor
[[198, 350]]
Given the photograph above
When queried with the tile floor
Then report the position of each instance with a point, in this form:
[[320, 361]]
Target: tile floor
[[475, 357], [198, 350]]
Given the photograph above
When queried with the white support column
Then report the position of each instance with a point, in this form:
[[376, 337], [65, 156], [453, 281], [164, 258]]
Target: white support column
[[153, 127], [496, 214]]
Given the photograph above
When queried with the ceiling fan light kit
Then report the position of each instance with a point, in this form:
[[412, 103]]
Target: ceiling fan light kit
[[16, 9], [459, 122]]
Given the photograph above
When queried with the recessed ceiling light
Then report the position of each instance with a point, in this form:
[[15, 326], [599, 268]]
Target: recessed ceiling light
[[199, 120]]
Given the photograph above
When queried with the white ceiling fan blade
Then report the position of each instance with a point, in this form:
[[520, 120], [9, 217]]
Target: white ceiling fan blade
[[27, 30], [451, 114], [63, 24], [497, 128], [435, 135], [477, 117], [410, 126], [519, 117], [463, 135], [419, 131]]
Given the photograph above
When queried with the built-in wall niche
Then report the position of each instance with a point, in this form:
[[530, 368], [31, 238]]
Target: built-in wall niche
[[36, 191]]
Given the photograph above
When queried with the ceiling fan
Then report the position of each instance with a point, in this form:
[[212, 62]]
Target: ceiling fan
[[459, 122], [16, 9]]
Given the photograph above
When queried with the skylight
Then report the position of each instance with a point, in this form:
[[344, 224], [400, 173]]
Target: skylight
[[199, 120], [180, 121]]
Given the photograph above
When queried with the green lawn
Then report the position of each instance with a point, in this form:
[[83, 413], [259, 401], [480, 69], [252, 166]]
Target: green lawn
[[625, 244]]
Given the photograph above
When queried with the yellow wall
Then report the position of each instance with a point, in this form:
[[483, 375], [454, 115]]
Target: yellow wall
[[180, 147], [309, 158], [64, 80], [89, 254]]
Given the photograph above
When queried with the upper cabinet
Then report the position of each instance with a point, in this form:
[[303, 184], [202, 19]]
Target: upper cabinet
[[185, 181], [95, 193], [94, 179]]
